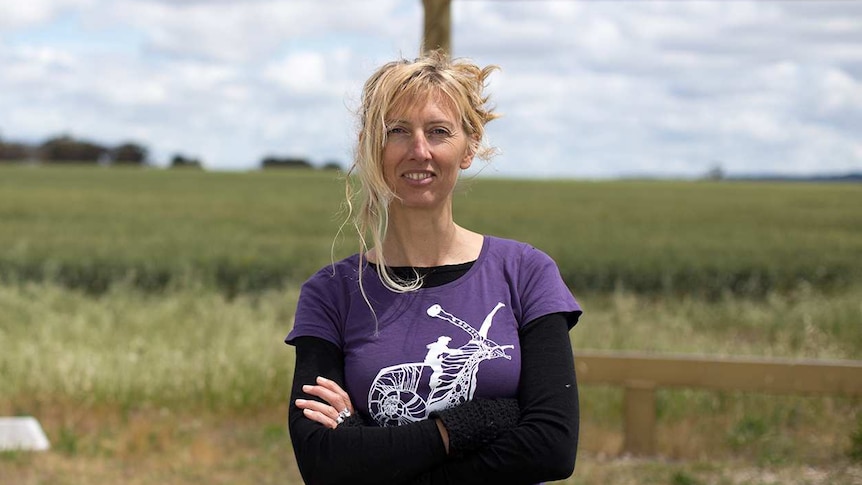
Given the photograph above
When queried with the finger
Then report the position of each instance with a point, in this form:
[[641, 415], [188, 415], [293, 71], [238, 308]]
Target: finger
[[331, 397], [318, 407], [320, 418], [334, 387]]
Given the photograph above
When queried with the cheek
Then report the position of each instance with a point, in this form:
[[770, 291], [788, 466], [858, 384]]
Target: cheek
[[389, 162], [388, 158]]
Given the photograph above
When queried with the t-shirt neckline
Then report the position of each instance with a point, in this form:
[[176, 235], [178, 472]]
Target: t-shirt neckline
[[486, 241]]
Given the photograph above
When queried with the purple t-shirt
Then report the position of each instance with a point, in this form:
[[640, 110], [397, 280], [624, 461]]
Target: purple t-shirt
[[434, 347]]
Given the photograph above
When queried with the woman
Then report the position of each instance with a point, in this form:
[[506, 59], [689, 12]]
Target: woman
[[437, 355]]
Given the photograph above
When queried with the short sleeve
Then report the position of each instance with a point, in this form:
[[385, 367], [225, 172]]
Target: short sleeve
[[541, 289], [319, 310]]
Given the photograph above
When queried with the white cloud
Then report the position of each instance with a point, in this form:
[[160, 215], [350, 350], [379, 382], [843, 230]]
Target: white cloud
[[841, 92], [238, 31], [587, 88], [22, 14], [303, 72]]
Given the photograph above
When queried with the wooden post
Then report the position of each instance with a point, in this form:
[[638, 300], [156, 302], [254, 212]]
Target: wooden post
[[640, 417], [438, 21]]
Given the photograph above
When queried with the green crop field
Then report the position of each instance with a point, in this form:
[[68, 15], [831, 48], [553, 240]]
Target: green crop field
[[86, 228], [142, 314]]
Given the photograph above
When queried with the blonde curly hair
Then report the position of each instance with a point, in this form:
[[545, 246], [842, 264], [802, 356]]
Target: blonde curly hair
[[396, 84]]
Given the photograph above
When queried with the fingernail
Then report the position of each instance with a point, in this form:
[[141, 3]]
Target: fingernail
[[300, 402], [306, 387], [321, 379]]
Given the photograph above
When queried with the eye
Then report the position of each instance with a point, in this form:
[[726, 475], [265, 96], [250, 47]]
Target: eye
[[396, 130], [440, 132]]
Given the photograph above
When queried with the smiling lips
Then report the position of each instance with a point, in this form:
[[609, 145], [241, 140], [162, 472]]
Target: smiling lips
[[418, 176]]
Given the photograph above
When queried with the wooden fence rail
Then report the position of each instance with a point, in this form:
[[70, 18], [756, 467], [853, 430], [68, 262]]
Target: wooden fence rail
[[641, 374]]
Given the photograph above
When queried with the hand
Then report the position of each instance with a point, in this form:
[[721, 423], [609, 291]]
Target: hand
[[326, 413]]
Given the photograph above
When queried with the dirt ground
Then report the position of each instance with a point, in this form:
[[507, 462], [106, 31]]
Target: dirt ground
[[159, 447]]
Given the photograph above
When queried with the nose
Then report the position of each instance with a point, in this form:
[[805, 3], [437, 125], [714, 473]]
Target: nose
[[421, 149]]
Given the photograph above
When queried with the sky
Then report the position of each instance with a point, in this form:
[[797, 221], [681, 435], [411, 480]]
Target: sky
[[590, 89]]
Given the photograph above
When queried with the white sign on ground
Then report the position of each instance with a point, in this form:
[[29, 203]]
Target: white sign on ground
[[22, 433]]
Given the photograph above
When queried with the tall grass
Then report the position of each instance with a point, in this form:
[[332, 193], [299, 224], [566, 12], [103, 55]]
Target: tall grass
[[198, 347], [804, 324], [191, 348]]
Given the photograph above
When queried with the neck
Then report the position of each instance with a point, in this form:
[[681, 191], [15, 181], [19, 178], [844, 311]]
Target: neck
[[426, 239]]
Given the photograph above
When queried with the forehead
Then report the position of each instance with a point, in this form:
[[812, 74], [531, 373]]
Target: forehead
[[428, 101]]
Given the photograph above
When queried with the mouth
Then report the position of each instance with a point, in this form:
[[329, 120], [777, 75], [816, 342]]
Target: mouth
[[418, 176]]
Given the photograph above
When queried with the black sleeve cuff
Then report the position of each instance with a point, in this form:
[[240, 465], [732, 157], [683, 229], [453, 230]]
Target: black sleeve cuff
[[477, 423]]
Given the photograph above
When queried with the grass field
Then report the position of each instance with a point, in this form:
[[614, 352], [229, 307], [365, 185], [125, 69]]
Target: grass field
[[89, 227], [142, 315]]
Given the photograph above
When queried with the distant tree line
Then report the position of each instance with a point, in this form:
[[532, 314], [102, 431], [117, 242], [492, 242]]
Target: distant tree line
[[294, 162], [181, 161], [67, 149]]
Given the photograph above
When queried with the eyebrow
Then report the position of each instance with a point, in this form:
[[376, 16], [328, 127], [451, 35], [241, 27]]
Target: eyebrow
[[441, 121]]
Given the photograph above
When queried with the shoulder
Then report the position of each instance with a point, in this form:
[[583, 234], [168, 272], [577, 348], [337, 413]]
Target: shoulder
[[521, 262], [324, 300], [534, 280], [517, 252], [500, 246], [334, 275]]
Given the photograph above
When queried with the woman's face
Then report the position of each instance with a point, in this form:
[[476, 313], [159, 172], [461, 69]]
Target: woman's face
[[426, 148]]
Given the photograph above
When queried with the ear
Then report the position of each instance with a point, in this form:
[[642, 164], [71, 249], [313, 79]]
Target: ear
[[467, 161], [471, 152]]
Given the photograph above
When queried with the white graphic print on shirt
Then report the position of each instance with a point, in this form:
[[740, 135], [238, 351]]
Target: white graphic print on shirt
[[393, 398]]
